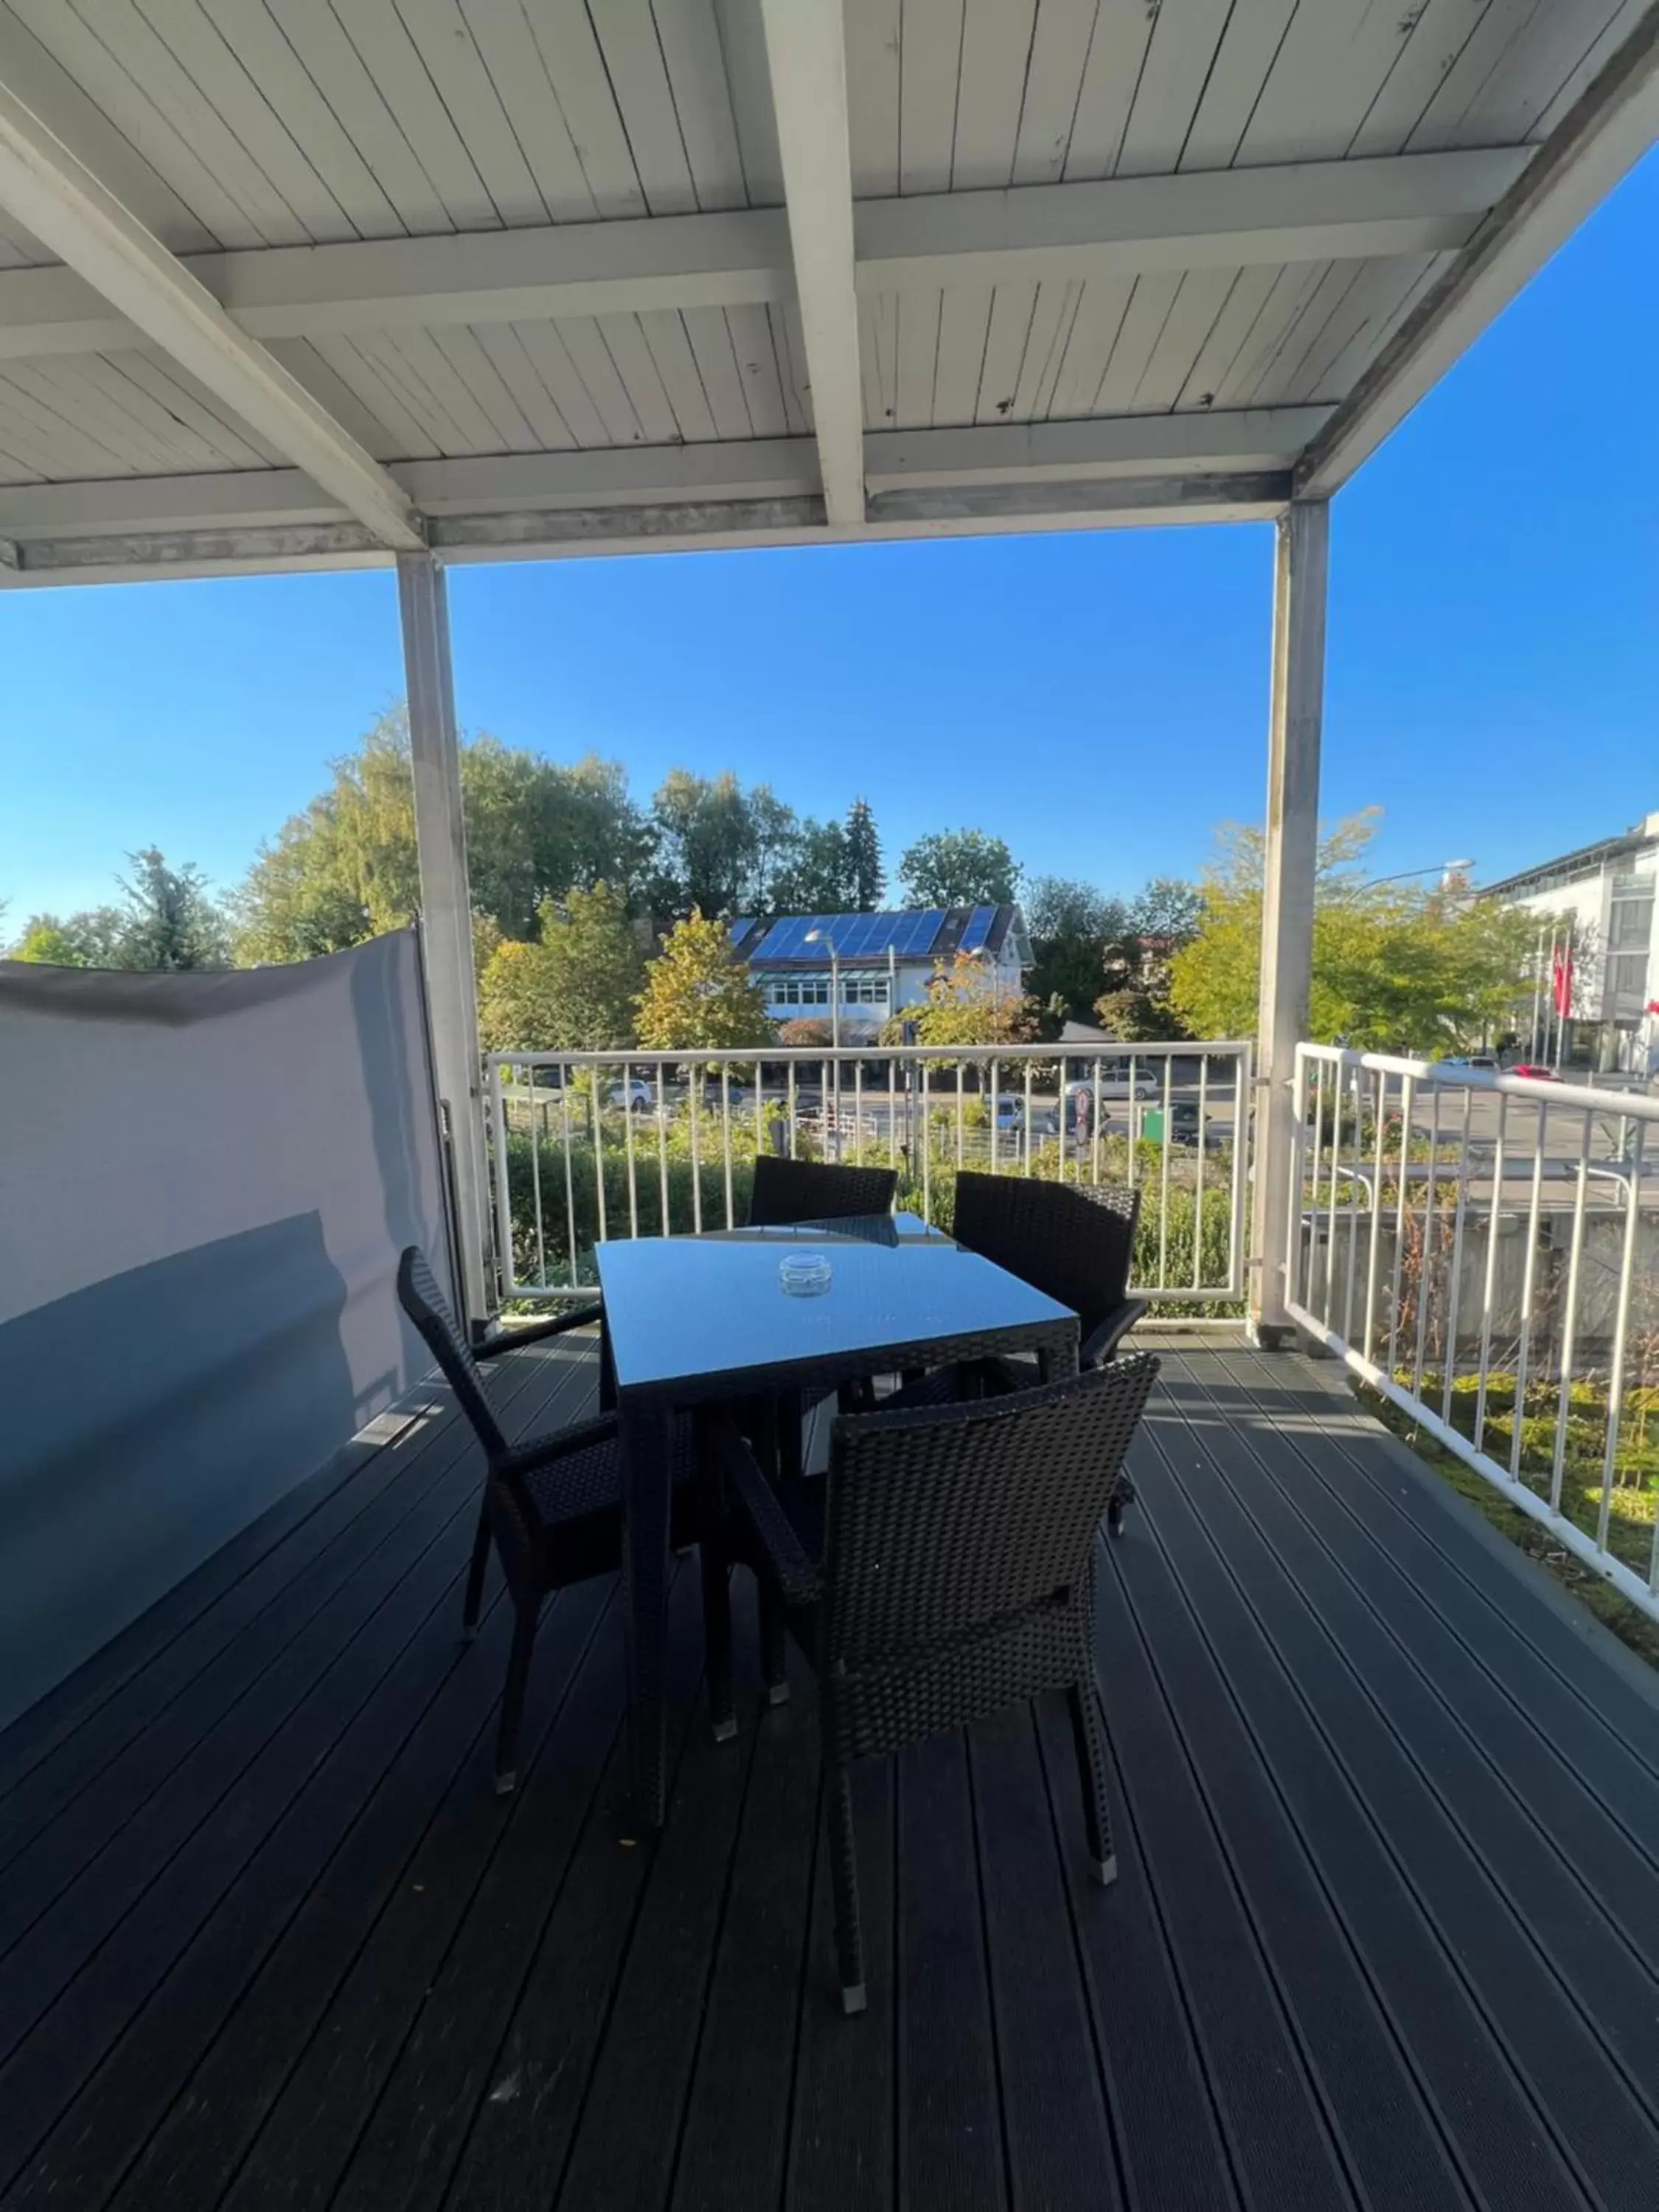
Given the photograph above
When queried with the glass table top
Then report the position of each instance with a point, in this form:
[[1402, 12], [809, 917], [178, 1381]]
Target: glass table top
[[691, 1308]]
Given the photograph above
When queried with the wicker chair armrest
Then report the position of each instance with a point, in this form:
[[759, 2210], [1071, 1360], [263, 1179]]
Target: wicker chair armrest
[[783, 1553], [1101, 1343], [511, 1340], [536, 1452]]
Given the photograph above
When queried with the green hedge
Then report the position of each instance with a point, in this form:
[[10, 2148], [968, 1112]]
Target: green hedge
[[549, 1262]]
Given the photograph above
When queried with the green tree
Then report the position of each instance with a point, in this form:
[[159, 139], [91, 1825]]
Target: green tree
[[958, 867], [865, 879], [1167, 907], [168, 918], [817, 878], [966, 1005], [698, 994], [1137, 1016], [1061, 906], [573, 990], [1395, 968], [87, 939], [1075, 931], [708, 844], [345, 867]]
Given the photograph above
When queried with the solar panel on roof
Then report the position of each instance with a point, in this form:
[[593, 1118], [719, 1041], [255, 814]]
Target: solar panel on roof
[[980, 924], [919, 932]]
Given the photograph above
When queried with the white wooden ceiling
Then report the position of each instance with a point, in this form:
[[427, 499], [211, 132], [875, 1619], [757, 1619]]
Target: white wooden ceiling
[[534, 258]]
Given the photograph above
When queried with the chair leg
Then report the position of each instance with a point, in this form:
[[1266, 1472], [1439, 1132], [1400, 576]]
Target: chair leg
[[518, 1675], [1092, 1773], [475, 1578], [844, 1883], [1123, 1496], [775, 1672]]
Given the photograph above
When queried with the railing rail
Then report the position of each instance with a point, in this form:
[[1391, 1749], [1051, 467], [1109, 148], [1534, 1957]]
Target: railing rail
[[1483, 1249], [591, 1145]]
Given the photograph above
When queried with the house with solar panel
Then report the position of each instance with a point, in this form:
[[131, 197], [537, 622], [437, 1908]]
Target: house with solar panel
[[860, 968]]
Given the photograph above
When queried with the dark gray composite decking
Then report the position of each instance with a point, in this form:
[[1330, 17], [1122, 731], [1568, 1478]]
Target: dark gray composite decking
[[1386, 1931]]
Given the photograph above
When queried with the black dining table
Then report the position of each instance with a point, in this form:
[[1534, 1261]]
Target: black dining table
[[695, 1321]]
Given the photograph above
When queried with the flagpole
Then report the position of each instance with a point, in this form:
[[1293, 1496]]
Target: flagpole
[[1538, 994], [1564, 992]]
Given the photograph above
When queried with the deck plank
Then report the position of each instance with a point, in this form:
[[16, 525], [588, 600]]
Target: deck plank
[[1384, 1930], [1597, 2121], [228, 1688], [950, 2148]]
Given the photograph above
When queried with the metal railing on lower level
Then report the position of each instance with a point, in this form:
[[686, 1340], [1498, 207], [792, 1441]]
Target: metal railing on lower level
[[591, 1146], [1483, 1251]]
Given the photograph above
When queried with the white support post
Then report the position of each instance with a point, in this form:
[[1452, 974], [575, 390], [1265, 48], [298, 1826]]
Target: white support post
[[447, 908], [1290, 860]]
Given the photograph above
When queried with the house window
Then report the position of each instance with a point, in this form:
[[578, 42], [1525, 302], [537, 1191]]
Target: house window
[[1629, 923], [864, 990], [795, 990], [1627, 975]]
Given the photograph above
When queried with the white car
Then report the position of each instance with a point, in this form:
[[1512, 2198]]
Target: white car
[[636, 1095], [1116, 1081]]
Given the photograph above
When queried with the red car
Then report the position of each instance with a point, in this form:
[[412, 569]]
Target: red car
[[1538, 1073]]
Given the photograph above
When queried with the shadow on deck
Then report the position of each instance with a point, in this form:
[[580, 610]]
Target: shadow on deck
[[1386, 1930]]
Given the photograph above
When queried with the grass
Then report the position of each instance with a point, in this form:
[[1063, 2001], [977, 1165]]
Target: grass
[[1630, 1532]]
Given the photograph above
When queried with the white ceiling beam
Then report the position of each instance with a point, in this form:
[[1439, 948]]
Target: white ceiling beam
[[55, 196], [669, 526], [806, 62], [1601, 138], [1207, 219], [1324, 211], [1164, 445], [1113, 445]]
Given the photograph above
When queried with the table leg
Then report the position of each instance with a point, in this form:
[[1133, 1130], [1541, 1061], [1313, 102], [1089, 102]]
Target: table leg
[[644, 1437]]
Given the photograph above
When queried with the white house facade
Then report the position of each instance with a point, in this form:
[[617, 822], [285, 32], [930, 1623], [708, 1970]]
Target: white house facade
[[1605, 892], [858, 969]]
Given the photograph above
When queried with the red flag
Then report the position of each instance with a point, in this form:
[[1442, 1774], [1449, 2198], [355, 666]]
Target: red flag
[[1563, 980]]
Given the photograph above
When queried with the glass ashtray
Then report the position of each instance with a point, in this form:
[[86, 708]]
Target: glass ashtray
[[805, 1275]]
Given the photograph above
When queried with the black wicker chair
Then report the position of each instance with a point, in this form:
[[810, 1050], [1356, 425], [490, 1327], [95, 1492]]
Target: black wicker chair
[[810, 1191], [1074, 1240], [552, 1503], [785, 1191], [945, 1571]]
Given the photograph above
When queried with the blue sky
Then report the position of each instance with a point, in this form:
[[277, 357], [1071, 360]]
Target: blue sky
[[1098, 700]]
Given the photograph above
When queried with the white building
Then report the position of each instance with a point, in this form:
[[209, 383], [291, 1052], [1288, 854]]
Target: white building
[[883, 963], [1605, 892]]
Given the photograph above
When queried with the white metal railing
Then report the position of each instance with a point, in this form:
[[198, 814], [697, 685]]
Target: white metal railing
[[1483, 1251], [590, 1145]]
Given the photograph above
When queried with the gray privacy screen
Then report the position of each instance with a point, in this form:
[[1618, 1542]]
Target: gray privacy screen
[[205, 1181]]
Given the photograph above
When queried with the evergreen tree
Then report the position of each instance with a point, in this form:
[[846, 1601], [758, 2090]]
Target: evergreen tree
[[170, 920], [866, 882]]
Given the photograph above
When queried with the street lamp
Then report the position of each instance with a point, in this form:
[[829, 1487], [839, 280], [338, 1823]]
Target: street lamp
[[823, 937], [826, 937], [1446, 870]]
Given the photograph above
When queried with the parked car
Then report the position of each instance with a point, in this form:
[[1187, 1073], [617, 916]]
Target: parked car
[[1186, 1124], [1536, 1070], [1124, 1079], [1008, 1115], [636, 1095], [1486, 1061], [1115, 1083]]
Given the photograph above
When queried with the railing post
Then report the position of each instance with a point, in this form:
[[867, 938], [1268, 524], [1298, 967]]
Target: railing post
[[445, 907], [1288, 862]]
